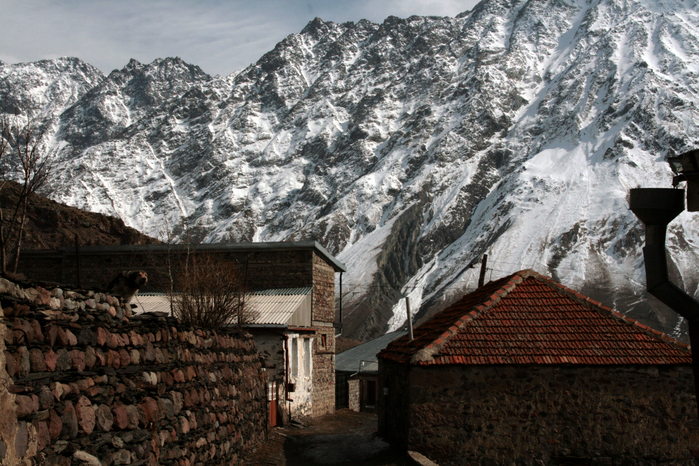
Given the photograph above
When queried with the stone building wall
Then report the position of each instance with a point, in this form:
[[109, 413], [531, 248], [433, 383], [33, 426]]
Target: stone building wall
[[91, 382], [324, 348], [552, 415], [324, 374], [261, 268], [353, 387]]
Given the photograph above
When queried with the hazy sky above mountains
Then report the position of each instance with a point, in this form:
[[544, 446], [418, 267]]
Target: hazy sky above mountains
[[221, 36]]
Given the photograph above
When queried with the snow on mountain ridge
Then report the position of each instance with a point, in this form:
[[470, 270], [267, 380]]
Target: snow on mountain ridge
[[410, 148]]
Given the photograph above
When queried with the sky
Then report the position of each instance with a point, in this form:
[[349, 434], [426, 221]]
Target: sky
[[219, 36]]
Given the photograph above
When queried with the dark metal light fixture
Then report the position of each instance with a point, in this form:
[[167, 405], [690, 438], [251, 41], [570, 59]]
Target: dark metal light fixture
[[686, 168]]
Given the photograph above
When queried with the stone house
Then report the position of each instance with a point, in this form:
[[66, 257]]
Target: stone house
[[290, 345], [357, 374], [526, 371], [291, 286]]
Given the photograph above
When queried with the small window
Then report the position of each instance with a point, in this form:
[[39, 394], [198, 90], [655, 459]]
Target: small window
[[323, 341]]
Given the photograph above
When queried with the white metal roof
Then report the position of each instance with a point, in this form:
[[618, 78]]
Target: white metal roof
[[281, 306], [151, 302]]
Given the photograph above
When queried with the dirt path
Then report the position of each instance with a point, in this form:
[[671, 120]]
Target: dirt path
[[343, 438]]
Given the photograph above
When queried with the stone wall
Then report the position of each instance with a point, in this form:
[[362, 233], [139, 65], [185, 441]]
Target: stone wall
[[353, 387], [92, 383], [550, 415]]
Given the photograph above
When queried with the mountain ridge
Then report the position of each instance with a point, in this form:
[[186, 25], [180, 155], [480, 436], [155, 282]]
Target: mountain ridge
[[412, 147]]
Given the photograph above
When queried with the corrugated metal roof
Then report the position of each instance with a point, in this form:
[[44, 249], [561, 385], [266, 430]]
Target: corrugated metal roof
[[281, 306], [526, 318], [282, 291], [351, 360], [278, 306]]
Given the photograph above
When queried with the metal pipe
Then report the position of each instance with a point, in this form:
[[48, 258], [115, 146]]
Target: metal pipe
[[656, 208], [410, 317], [339, 334], [77, 259]]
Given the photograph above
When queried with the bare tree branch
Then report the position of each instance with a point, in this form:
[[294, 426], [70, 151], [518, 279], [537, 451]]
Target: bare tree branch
[[32, 167], [210, 293]]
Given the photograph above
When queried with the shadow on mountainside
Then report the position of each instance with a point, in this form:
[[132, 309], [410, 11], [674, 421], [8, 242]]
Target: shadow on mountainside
[[342, 438]]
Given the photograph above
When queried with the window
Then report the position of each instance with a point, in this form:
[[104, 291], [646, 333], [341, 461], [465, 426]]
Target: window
[[294, 357], [307, 357]]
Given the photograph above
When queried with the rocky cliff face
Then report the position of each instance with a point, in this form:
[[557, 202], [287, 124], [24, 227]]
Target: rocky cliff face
[[51, 225], [410, 148]]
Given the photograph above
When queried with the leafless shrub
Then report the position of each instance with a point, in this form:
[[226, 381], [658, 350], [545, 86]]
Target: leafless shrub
[[210, 293]]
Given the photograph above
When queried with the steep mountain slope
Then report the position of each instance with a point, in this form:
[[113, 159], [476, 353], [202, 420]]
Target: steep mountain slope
[[410, 148]]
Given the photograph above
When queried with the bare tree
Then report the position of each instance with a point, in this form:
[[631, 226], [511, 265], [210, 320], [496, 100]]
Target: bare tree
[[21, 154], [210, 293]]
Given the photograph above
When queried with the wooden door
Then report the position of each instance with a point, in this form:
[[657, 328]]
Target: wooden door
[[272, 398]]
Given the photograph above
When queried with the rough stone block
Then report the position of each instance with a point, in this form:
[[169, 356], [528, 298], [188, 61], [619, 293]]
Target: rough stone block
[[69, 419], [43, 436], [113, 359], [50, 359], [90, 357], [121, 417], [104, 418], [134, 416], [101, 357], [24, 366], [85, 414], [94, 391], [86, 459], [21, 439], [63, 362], [113, 341], [26, 405], [124, 357], [150, 410], [87, 337], [11, 364], [101, 336], [78, 360], [36, 336]]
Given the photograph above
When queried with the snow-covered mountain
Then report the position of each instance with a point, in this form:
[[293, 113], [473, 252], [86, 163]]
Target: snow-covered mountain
[[408, 148]]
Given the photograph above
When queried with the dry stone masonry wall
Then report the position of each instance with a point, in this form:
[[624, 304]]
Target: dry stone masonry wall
[[544, 415], [86, 382]]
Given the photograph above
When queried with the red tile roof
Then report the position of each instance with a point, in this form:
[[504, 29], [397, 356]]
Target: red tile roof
[[527, 318]]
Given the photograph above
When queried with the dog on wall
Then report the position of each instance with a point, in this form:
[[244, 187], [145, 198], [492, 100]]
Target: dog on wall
[[127, 283]]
